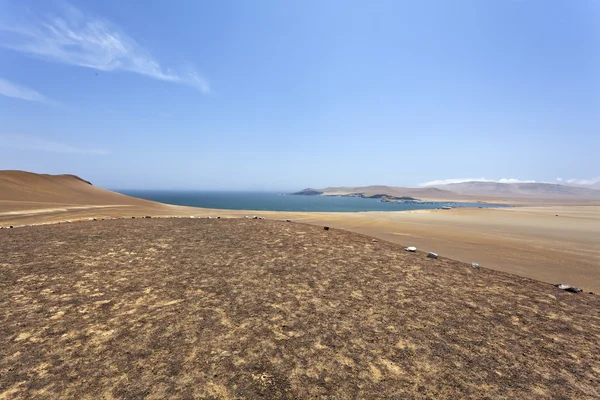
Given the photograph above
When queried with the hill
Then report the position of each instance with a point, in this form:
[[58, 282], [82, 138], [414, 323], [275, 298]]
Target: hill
[[520, 190], [21, 186], [237, 308], [34, 198], [472, 191]]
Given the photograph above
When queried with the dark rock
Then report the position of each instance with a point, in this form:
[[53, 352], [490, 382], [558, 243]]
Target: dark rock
[[568, 288], [432, 255], [326, 228]]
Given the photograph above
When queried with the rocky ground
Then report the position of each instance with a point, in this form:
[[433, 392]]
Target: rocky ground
[[241, 308]]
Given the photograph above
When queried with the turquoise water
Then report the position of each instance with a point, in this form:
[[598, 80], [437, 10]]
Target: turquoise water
[[266, 201]]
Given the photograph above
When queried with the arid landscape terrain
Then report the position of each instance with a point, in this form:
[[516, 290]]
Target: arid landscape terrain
[[555, 244], [97, 304], [243, 308]]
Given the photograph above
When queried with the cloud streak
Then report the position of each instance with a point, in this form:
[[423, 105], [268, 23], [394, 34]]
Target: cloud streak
[[32, 143], [10, 89], [82, 40], [462, 180]]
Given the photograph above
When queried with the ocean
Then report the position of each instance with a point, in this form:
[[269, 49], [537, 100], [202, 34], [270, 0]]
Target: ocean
[[269, 201]]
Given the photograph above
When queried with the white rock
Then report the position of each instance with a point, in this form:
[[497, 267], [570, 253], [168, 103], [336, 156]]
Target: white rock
[[411, 249]]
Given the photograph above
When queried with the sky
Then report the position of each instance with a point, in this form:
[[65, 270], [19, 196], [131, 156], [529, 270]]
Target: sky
[[283, 95]]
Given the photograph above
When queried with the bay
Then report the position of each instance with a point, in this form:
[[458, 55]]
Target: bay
[[272, 201]]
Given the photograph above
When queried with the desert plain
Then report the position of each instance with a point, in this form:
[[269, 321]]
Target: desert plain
[[97, 301]]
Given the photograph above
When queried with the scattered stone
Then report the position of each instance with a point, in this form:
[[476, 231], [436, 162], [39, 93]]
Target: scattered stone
[[412, 249], [218, 217], [374, 240], [326, 228], [147, 216], [475, 265], [432, 255], [254, 217], [246, 217], [10, 226], [288, 220], [68, 221], [191, 216], [568, 288], [132, 217]]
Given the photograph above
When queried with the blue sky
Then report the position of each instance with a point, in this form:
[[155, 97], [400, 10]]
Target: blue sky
[[272, 95]]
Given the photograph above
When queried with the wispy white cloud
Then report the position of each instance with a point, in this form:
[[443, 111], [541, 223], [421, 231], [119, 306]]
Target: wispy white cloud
[[462, 180], [11, 89], [75, 38], [33, 143], [576, 181]]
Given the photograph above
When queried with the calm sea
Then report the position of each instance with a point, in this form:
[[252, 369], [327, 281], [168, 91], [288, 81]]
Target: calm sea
[[265, 201]]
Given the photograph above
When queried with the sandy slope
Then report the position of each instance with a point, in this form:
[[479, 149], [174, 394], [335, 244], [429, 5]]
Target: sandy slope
[[262, 309], [530, 241]]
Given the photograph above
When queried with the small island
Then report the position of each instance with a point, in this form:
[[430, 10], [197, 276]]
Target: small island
[[385, 198], [401, 199]]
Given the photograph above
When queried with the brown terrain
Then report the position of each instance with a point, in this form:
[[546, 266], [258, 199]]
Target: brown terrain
[[243, 308], [555, 244]]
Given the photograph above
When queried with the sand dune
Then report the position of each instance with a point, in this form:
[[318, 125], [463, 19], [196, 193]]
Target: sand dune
[[27, 187]]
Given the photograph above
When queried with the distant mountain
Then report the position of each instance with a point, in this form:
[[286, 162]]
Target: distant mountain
[[467, 191], [520, 190], [595, 185]]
